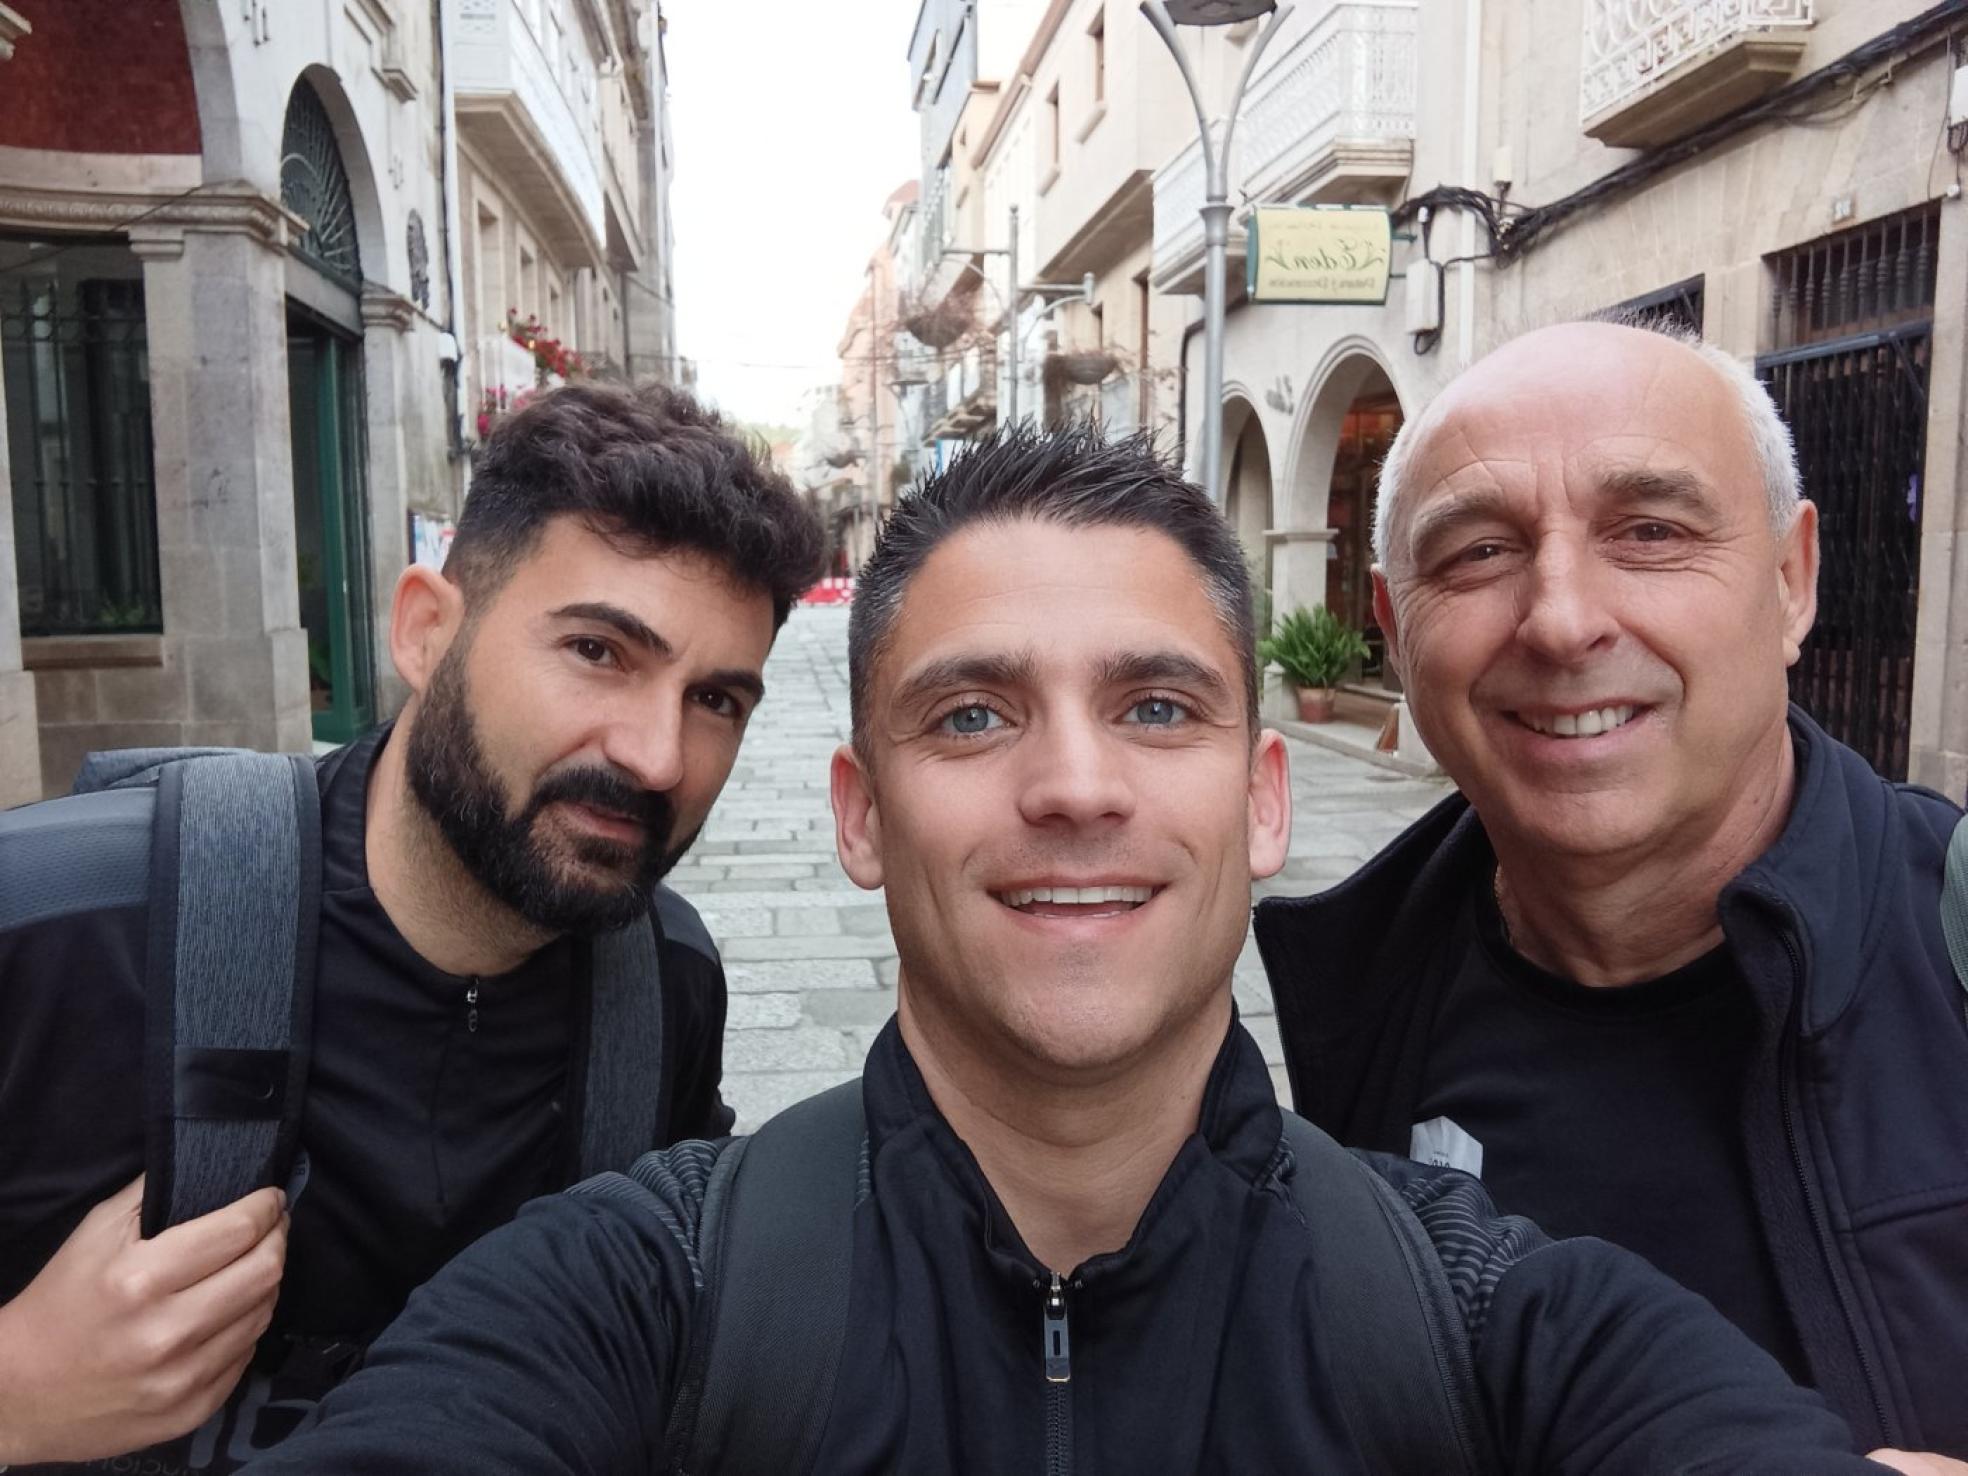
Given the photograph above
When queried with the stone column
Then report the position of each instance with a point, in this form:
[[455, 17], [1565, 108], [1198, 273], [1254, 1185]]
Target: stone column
[[1298, 567], [387, 320], [20, 734], [215, 302], [1938, 746]]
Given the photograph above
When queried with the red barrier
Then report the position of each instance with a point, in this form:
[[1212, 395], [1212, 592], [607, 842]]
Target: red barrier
[[830, 592]]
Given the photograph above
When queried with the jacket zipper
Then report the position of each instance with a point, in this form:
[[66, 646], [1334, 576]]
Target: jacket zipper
[[1819, 1225], [471, 1008], [1058, 1353]]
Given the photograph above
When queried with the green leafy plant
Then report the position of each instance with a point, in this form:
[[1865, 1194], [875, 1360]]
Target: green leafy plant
[[1315, 648]]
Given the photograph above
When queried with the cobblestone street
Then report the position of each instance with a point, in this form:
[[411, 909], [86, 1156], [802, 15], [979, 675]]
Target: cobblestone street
[[808, 955]]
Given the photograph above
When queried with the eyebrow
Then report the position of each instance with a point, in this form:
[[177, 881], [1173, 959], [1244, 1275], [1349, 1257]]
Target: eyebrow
[[1007, 669], [1647, 486], [1168, 668], [638, 630]]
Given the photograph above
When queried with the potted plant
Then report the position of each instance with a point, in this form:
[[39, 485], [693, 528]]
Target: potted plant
[[1314, 648]]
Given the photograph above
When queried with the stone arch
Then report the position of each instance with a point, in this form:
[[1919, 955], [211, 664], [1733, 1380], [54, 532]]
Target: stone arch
[[1247, 495], [365, 197], [1334, 384], [222, 146]]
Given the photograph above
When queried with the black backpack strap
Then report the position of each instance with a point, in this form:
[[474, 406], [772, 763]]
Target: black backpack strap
[[1385, 1300], [235, 891], [776, 1245], [623, 1099]]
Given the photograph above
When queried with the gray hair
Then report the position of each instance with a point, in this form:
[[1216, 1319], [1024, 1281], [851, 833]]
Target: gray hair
[[1776, 455]]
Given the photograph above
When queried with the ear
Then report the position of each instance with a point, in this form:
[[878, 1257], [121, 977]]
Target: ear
[[1270, 806], [857, 822], [1797, 579], [1383, 608], [425, 615]]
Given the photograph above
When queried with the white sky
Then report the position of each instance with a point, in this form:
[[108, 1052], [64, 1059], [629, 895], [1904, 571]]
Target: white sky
[[792, 127]]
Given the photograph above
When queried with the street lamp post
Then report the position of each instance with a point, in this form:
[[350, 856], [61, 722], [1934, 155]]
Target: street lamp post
[[1165, 16]]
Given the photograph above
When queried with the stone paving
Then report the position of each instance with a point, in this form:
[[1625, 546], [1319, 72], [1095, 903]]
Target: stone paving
[[808, 955]]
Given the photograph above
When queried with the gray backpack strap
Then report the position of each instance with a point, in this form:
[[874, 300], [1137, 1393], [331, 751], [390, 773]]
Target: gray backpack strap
[[623, 1102], [1384, 1298], [235, 889], [1954, 901], [776, 1245]]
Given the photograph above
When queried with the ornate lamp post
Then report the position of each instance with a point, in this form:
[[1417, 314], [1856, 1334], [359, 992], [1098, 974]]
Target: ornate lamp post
[[1165, 16]]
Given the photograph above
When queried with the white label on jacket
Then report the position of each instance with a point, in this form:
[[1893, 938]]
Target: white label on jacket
[[1441, 1143]]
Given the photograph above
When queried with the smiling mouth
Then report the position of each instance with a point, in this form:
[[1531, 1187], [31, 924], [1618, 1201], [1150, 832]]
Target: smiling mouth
[[1101, 901], [1588, 724]]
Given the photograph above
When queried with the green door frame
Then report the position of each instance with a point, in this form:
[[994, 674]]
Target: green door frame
[[339, 475]]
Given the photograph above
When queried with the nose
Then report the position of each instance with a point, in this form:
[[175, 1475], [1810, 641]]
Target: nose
[[1075, 774], [1564, 611], [645, 742]]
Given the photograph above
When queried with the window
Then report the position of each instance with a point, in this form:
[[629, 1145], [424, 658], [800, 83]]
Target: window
[[493, 299], [1097, 37], [1052, 126], [78, 429]]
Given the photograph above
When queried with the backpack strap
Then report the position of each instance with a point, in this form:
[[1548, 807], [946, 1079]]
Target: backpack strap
[[235, 889], [1954, 901], [620, 1112], [778, 1215], [1384, 1298]]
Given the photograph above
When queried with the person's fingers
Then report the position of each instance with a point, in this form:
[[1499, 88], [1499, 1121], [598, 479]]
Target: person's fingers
[[1919, 1463], [234, 1290], [187, 1254]]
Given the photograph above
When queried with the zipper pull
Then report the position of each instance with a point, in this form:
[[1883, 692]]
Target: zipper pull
[[471, 1009], [1058, 1345]]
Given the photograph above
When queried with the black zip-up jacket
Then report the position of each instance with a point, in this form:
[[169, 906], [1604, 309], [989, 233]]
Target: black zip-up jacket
[[552, 1345], [1855, 1106], [436, 1105]]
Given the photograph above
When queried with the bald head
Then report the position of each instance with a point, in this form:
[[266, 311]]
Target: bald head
[[1627, 384]]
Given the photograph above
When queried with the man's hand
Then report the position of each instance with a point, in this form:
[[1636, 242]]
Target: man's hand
[[1919, 1463], [122, 1342]]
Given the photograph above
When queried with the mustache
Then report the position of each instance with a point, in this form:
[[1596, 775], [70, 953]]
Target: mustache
[[605, 790]]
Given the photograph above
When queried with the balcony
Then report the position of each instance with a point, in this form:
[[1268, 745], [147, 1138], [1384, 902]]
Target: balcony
[[970, 396], [511, 108], [1655, 70], [1332, 121]]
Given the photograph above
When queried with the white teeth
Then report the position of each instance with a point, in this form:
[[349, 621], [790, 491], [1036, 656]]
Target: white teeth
[[1076, 896], [1582, 724]]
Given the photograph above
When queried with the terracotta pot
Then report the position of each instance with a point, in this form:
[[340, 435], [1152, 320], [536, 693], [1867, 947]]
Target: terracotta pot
[[1315, 704]]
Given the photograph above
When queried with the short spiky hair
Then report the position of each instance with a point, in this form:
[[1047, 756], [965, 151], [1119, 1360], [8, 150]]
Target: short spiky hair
[[1076, 478], [648, 466]]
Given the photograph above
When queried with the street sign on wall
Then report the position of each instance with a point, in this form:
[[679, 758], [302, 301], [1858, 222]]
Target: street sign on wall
[[1318, 253]]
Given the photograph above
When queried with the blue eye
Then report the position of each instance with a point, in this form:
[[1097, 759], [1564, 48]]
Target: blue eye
[[1157, 712], [971, 719]]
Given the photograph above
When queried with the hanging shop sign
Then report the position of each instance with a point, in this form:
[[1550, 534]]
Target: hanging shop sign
[[1318, 253]]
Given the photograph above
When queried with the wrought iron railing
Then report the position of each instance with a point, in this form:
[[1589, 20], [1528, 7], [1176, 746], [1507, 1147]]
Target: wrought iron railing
[[1631, 44], [1350, 76], [85, 505]]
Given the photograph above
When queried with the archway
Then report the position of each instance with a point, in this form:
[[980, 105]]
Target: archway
[[1247, 487], [327, 408], [1351, 421]]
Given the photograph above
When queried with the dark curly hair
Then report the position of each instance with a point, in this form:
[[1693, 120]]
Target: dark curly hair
[[1075, 478], [647, 467]]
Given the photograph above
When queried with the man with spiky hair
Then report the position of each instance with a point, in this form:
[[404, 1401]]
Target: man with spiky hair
[[581, 673], [1060, 1223]]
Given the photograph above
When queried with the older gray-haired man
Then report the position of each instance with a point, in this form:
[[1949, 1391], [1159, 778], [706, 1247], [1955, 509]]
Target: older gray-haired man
[[1669, 970]]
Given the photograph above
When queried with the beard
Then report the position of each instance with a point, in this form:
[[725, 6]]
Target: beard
[[579, 884]]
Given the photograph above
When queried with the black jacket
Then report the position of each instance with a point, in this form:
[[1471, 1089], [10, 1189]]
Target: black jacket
[[428, 1120], [1855, 1111], [553, 1345]]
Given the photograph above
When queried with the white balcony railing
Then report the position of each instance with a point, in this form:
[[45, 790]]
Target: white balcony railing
[[504, 73], [1347, 84], [1631, 44]]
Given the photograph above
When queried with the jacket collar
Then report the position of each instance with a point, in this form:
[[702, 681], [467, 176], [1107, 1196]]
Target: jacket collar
[[1820, 883], [1239, 1126]]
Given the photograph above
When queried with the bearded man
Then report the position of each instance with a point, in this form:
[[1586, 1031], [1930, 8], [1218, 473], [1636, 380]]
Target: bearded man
[[582, 673]]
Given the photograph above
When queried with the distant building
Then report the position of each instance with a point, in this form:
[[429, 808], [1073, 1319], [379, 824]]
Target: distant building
[[256, 265]]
